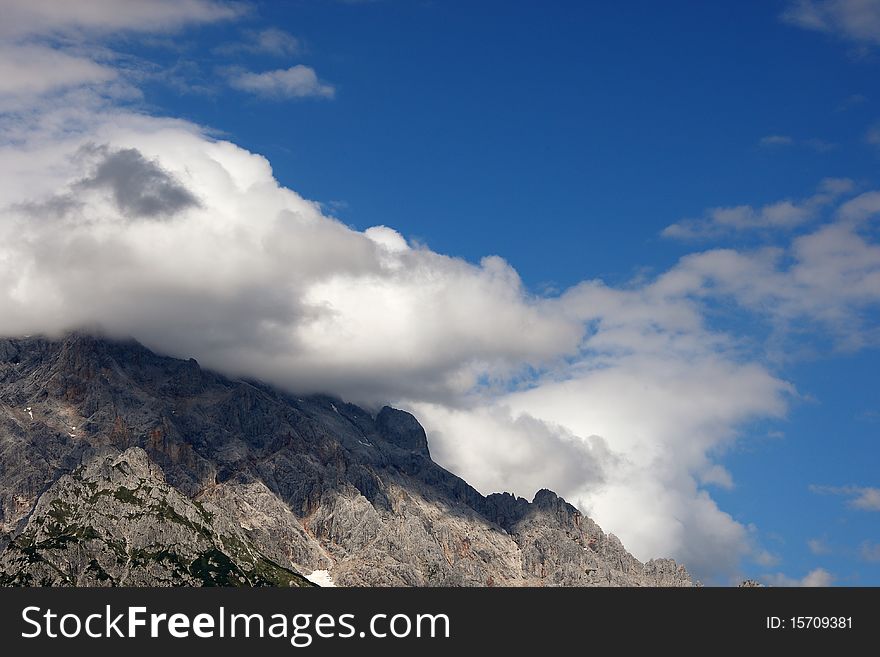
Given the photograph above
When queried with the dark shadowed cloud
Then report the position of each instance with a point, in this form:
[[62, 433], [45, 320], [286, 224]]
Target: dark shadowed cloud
[[140, 187]]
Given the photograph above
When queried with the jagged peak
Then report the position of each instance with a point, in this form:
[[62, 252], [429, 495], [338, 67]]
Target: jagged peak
[[403, 430]]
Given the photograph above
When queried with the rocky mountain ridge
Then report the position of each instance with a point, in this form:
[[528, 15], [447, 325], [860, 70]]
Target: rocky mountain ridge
[[120, 466]]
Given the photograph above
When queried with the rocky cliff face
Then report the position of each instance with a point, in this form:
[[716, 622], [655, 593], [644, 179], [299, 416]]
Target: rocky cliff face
[[118, 466], [115, 521]]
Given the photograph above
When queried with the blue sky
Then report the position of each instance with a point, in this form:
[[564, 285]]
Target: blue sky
[[566, 137], [498, 116]]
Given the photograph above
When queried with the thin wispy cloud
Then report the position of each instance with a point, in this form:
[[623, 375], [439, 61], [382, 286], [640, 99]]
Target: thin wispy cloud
[[850, 102], [269, 41], [872, 136], [863, 498], [820, 145], [766, 559], [819, 546], [870, 551], [854, 20], [778, 141], [780, 215]]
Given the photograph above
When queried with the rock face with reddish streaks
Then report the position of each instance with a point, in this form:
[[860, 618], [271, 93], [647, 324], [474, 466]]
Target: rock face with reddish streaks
[[248, 485]]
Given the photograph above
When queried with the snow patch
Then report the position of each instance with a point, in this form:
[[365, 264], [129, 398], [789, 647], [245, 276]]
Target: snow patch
[[321, 578], [30, 412], [333, 406]]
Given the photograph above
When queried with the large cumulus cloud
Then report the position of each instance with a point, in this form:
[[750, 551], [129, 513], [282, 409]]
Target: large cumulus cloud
[[193, 246]]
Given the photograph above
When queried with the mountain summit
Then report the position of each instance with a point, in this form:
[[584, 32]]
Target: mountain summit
[[122, 467]]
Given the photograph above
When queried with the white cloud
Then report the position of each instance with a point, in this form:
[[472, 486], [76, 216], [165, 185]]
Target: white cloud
[[660, 395], [33, 64], [854, 20], [295, 82], [509, 452], [663, 408], [819, 577], [827, 280], [780, 215], [860, 208], [297, 291], [49, 17], [863, 498], [31, 70], [717, 475]]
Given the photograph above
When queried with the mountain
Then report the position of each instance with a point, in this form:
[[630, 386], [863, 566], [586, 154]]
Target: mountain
[[119, 466]]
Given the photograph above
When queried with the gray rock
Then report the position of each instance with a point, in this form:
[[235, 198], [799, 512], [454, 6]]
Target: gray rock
[[402, 430], [291, 484], [115, 522]]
